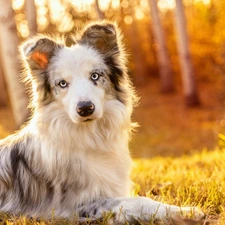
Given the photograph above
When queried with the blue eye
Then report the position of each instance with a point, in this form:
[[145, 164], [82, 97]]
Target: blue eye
[[63, 84], [95, 76]]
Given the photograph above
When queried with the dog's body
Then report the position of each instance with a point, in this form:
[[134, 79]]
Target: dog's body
[[73, 157]]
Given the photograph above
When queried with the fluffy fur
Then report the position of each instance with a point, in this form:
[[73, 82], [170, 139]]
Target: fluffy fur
[[72, 157]]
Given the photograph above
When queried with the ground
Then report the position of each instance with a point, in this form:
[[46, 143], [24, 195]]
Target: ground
[[169, 128]]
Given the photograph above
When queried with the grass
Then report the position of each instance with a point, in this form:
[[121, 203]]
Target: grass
[[194, 180]]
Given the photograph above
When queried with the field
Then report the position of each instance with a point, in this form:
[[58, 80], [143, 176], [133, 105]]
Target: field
[[176, 155], [196, 180]]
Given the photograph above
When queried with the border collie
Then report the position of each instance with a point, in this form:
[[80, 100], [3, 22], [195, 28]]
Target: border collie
[[72, 157]]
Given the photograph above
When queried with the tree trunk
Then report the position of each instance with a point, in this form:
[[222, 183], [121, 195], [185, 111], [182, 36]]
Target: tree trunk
[[10, 63], [188, 79], [3, 92], [165, 68], [101, 15], [30, 11], [139, 71]]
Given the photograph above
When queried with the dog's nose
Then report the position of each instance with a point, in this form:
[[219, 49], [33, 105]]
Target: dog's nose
[[85, 108]]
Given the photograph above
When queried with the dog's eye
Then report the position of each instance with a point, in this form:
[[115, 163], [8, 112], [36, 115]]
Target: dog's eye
[[95, 76], [63, 84]]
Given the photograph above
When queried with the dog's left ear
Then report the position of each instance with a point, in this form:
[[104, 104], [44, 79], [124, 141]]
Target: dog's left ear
[[38, 52], [103, 37]]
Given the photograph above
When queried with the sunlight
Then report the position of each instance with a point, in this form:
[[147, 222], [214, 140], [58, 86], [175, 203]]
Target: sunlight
[[128, 20], [104, 4], [40, 2], [82, 2], [17, 4], [139, 14], [56, 12], [24, 30], [166, 4], [205, 2], [115, 4], [81, 5], [170, 4], [60, 16], [42, 11]]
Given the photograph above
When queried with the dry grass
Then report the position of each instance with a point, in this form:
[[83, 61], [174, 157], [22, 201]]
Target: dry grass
[[196, 180]]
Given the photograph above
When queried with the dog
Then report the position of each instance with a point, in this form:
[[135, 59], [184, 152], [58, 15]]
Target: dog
[[72, 157]]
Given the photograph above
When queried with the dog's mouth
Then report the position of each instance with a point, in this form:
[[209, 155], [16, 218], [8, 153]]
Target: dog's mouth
[[87, 120]]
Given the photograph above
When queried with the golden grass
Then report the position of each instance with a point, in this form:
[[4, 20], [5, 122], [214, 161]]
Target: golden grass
[[194, 180]]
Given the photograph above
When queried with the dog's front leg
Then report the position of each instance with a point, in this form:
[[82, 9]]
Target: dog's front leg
[[135, 209]]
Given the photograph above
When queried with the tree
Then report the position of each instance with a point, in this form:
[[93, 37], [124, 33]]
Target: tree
[[30, 11], [165, 68], [187, 71], [10, 63], [130, 28], [101, 15], [3, 95]]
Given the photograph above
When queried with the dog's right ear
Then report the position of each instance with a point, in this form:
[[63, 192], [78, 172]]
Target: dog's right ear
[[38, 52], [101, 36]]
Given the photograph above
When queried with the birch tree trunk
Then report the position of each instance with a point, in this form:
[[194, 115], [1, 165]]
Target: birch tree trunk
[[10, 63], [31, 16], [187, 70], [101, 15], [164, 63], [3, 92]]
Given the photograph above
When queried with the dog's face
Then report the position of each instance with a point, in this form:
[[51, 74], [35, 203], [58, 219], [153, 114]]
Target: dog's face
[[80, 83], [80, 78]]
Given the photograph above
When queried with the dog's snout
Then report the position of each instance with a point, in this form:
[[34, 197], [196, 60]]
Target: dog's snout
[[85, 108]]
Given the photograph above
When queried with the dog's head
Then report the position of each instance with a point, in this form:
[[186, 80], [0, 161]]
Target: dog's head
[[80, 78]]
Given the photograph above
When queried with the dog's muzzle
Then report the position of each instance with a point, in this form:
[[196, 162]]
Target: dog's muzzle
[[85, 108]]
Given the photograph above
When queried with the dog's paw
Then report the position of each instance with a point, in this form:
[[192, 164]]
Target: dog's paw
[[188, 212], [146, 209], [168, 213]]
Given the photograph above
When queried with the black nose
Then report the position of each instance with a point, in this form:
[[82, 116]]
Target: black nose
[[85, 108]]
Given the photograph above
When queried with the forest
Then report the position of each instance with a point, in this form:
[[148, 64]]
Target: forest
[[176, 60]]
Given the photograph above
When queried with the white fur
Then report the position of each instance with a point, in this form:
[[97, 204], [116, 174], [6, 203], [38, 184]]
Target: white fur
[[74, 65]]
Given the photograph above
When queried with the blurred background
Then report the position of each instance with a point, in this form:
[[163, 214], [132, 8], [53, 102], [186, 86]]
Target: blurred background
[[176, 62]]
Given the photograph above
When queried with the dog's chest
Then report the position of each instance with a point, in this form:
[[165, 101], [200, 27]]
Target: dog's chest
[[82, 175], [98, 175]]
